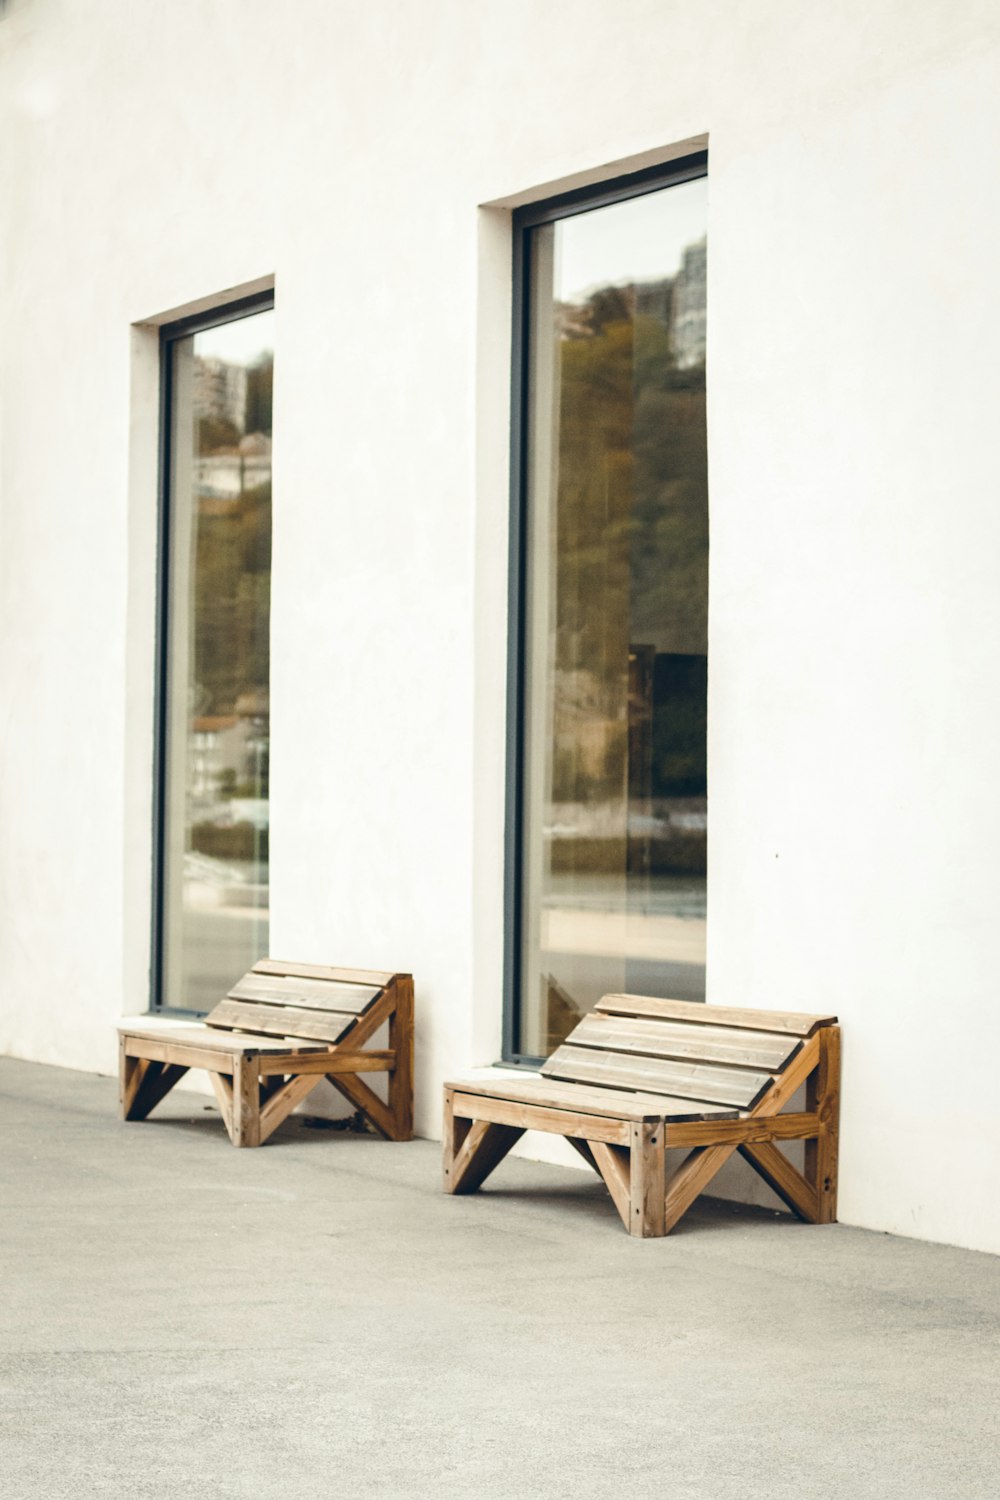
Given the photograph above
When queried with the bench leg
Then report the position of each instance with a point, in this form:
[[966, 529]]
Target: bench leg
[[823, 1096], [472, 1148], [142, 1084], [246, 1101], [401, 1075], [647, 1180]]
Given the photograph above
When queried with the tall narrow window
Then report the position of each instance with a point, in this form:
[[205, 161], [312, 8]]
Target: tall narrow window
[[606, 858], [214, 708]]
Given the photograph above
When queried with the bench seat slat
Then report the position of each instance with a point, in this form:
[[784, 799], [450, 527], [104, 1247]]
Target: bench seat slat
[[785, 1022], [766, 1052], [305, 994], [614, 1103], [221, 1041], [279, 1020], [716, 1085]]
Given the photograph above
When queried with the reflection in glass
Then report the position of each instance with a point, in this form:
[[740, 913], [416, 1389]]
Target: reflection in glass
[[215, 832], [616, 619]]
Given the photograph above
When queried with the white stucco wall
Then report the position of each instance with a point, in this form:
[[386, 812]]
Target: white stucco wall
[[152, 156]]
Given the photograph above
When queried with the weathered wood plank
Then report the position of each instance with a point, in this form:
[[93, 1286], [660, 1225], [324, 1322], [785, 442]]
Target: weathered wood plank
[[795, 1127], [763, 1051], [195, 1032], [184, 1054], [823, 1095], [789, 1081], [377, 977], [538, 1117], [246, 1101], [647, 1181], [280, 1105], [782, 1021], [145, 1081], [612, 1163], [619, 1104], [483, 1149], [223, 1090], [717, 1085], [691, 1178], [279, 1020], [381, 1060], [401, 1040], [305, 994], [454, 1132]]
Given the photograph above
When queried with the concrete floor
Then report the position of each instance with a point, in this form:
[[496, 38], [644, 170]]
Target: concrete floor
[[315, 1319]]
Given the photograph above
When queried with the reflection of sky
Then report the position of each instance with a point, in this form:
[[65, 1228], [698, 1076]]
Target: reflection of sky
[[238, 343], [636, 240]]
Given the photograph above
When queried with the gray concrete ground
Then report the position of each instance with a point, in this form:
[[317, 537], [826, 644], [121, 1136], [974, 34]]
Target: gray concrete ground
[[316, 1319]]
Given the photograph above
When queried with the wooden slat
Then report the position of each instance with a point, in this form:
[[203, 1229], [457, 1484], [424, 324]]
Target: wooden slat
[[279, 1020], [716, 1085], [785, 1022], [197, 1033], [801, 1126], [793, 1077], [615, 1103], [381, 1060], [321, 971], [305, 994], [539, 1117], [767, 1053]]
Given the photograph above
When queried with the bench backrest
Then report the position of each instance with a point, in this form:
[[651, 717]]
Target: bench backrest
[[682, 1048], [305, 1001]]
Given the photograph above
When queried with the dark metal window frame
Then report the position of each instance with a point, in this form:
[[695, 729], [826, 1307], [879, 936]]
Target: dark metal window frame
[[525, 221], [170, 333]]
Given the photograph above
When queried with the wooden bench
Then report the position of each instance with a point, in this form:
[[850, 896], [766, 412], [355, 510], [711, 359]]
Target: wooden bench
[[280, 1030], [638, 1077]]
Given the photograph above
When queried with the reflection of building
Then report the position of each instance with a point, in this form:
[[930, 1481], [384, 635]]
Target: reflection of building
[[653, 299], [229, 474], [218, 744], [229, 751], [220, 390], [689, 307]]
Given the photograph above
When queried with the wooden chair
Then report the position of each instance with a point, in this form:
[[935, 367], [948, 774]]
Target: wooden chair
[[280, 1030], [639, 1077]]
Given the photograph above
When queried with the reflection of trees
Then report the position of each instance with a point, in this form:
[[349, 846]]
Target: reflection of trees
[[232, 586], [632, 526], [232, 543]]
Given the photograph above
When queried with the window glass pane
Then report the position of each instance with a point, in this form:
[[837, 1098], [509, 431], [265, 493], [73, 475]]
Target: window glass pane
[[613, 772], [215, 833]]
